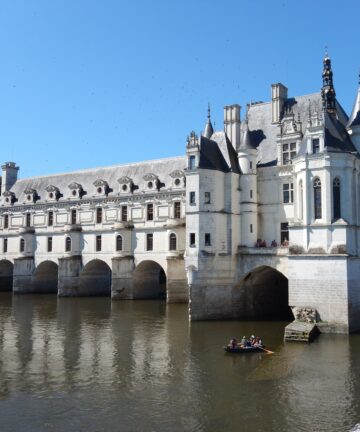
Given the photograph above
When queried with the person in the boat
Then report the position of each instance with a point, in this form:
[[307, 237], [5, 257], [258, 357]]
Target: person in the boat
[[252, 340], [233, 342], [243, 342], [258, 342]]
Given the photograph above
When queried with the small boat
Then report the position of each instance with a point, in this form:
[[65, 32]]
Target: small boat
[[245, 350]]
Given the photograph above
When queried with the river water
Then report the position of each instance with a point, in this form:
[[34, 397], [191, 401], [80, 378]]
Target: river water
[[89, 364]]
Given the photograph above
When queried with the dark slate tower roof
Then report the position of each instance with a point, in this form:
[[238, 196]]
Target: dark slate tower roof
[[354, 119], [246, 142]]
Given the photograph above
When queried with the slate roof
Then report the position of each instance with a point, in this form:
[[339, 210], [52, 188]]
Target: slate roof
[[161, 168], [354, 119]]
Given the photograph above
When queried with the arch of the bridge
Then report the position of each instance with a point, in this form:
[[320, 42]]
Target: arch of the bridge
[[262, 294], [95, 279], [149, 280], [45, 278], [6, 275]]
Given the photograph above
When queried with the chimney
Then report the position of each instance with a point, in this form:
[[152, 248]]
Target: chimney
[[9, 176], [232, 124], [279, 94]]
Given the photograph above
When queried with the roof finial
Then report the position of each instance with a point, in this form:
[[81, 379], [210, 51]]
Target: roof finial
[[208, 131], [326, 51], [208, 116]]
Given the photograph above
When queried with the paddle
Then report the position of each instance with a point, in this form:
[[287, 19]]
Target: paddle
[[268, 351]]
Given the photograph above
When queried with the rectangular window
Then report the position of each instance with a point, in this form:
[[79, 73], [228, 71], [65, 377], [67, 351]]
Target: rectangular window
[[124, 213], [288, 193], [207, 199], [28, 219], [99, 215], [288, 153], [98, 243], [5, 245], [149, 242], [73, 217], [192, 240], [150, 212], [50, 218], [49, 244], [68, 244], [251, 228], [6, 221], [192, 198], [251, 193], [250, 164], [284, 233], [316, 145], [177, 210], [207, 239], [22, 245], [192, 162]]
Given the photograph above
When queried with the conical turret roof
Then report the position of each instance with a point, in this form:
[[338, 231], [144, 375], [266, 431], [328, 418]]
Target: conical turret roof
[[209, 130], [354, 119]]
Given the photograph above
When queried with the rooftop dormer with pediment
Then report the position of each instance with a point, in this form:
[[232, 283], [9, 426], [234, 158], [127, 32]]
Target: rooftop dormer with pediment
[[53, 193], [126, 185], [102, 187]]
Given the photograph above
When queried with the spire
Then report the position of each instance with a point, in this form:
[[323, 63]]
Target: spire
[[208, 131], [246, 141], [354, 119], [328, 94]]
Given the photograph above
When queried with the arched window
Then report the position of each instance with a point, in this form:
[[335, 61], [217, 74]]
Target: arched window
[[119, 243], [172, 242], [22, 245], [336, 199], [317, 198], [300, 201], [68, 244]]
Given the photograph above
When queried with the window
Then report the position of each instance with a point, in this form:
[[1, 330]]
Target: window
[[172, 242], [251, 228], [50, 218], [73, 217], [99, 215], [251, 193], [284, 233], [49, 244], [316, 145], [192, 162], [124, 213], [336, 199], [5, 245], [22, 245], [192, 240], [150, 212], [288, 153], [68, 244], [177, 210], [192, 198], [149, 242], [288, 193], [317, 198], [6, 221], [207, 198], [119, 243], [28, 219], [250, 165], [98, 243], [207, 239]]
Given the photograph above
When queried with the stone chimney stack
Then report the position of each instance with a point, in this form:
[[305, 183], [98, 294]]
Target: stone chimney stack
[[232, 124], [9, 175], [279, 94]]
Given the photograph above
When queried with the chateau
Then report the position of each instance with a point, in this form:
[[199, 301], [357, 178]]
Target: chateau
[[252, 220]]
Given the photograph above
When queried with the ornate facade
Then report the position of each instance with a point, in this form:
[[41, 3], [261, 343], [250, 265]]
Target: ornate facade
[[253, 219]]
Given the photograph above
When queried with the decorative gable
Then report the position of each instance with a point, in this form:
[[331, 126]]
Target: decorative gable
[[102, 187], [126, 184], [76, 190], [31, 195], [53, 193]]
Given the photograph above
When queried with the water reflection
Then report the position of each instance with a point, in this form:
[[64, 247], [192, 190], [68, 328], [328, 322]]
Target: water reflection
[[89, 364]]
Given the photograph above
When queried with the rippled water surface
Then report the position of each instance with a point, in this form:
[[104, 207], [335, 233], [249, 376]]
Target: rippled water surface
[[90, 364]]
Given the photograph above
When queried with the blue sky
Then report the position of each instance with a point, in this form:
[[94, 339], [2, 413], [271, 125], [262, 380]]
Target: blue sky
[[88, 83]]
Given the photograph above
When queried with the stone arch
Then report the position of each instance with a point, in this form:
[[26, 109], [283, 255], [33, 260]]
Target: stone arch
[[262, 294], [95, 279], [45, 278], [149, 281], [6, 275]]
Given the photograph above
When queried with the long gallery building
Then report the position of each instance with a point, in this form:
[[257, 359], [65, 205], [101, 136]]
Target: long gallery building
[[252, 221]]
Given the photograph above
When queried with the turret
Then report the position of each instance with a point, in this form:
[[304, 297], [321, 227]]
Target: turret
[[232, 124], [9, 176], [353, 125]]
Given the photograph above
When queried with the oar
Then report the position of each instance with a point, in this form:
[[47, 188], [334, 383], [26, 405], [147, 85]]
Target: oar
[[268, 351]]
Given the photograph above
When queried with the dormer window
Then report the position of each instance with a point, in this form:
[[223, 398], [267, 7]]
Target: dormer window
[[53, 193], [315, 145], [192, 161], [126, 185], [9, 198], [178, 178], [31, 195], [76, 190], [288, 153], [151, 181], [102, 187]]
